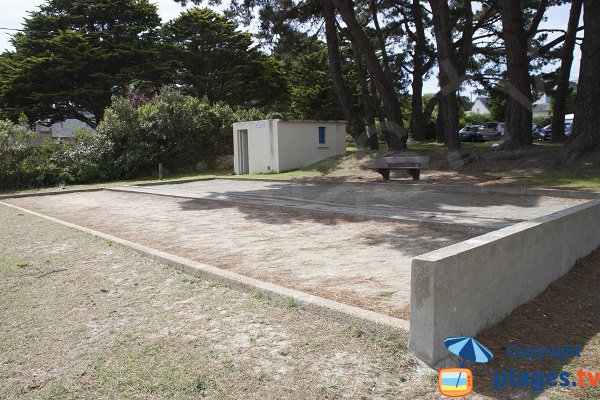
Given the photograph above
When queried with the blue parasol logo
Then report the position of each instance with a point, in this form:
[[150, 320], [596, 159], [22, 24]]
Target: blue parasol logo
[[458, 382], [469, 349]]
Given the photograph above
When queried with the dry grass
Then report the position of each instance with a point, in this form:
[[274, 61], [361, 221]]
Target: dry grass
[[84, 318], [81, 317]]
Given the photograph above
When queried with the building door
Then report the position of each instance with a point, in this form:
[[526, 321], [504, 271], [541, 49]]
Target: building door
[[243, 159]]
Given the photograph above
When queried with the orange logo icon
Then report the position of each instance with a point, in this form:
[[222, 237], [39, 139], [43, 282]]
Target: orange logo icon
[[455, 382]]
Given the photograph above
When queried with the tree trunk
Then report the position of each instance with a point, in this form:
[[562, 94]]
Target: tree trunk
[[440, 134], [418, 121], [586, 125], [335, 68], [378, 109], [562, 88], [449, 77], [397, 135], [367, 100], [517, 69], [430, 106]]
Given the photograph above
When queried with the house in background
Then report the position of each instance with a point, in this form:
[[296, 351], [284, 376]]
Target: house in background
[[275, 145], [59, 130], [481, 105], [540, 108]]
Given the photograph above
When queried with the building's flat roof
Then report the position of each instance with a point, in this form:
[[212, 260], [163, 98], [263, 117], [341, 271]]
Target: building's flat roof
[[315, 121]]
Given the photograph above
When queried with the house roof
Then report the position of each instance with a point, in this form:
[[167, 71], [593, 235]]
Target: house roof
[[483, 100], [540, 107]]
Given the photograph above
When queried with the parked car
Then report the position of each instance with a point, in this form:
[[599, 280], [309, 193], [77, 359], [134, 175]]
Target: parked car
[[568, 127], [470, 134], [537, 132], [501, 128], [548, 130], [490, 130]]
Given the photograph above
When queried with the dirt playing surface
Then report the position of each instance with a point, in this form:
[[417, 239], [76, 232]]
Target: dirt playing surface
[[422, 202], [322, 254]]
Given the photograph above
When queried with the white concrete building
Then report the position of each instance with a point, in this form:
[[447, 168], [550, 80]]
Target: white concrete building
[[262, 147]]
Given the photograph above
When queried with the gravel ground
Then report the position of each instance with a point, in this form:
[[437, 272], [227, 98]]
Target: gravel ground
[[319, 253]]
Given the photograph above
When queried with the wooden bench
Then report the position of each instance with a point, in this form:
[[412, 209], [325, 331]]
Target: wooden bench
[[413, 165]]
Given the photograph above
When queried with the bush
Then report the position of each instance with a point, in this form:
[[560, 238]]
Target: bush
[[472, 118], [542, 121], [176, 130], [62, 162], [14, 148]]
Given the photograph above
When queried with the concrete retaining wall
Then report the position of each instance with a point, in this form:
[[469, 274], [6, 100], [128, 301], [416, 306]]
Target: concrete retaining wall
[[465, 288]]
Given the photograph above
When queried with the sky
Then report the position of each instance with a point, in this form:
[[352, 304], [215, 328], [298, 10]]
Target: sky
[[13, 12]]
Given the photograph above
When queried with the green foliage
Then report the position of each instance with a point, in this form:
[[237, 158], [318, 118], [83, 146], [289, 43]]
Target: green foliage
[[498, 103], [542, 121], [14, 147], [73, 55], [471, 118], [64, 161], [570, 102], [212, 58], [312, 94], [175, 129], [53, 162]]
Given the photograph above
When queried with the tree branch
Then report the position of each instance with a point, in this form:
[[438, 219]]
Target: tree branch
[[555, 42], [539, 15]]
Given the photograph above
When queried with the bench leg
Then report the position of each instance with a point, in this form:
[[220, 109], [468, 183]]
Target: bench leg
[[385, 173], [415, 173]]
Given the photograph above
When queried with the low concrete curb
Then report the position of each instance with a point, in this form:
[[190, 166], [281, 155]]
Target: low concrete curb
[[519, 191], [462, 289], [365, 319], [509, 190], [53, 193], [167, 182]]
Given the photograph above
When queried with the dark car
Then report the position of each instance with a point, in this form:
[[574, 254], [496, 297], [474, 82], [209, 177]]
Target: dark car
[[537, 132], [548, 130], [470, 134], [490, 130]]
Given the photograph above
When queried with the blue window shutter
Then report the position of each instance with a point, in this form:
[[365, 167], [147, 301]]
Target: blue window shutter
[[321, 135]]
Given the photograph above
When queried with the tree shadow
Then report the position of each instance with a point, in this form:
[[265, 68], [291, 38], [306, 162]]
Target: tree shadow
[[566, 313], [354, 199]]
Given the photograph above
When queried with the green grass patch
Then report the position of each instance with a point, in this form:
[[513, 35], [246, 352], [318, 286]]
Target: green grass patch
[[260, 295], [562, 179], [395, 344], [10, 266]]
